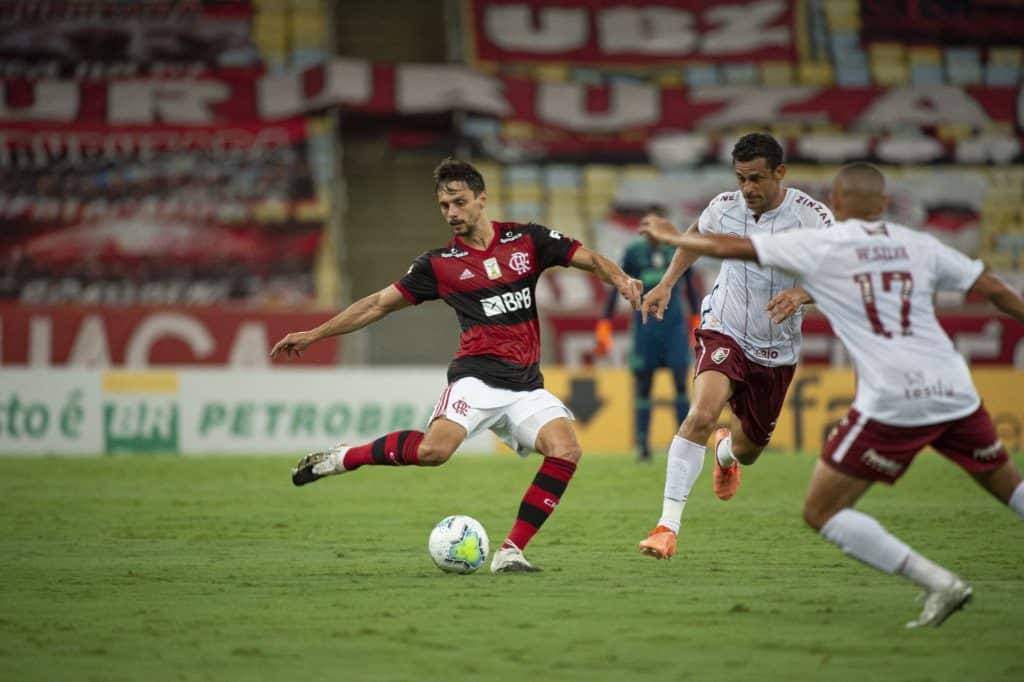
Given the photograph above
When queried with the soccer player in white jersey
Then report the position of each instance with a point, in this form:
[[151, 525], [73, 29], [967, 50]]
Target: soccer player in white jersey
[[875, 281], [745, 355]]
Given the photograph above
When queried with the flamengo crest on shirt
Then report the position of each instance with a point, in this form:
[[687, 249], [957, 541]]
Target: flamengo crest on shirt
[[520, 262]]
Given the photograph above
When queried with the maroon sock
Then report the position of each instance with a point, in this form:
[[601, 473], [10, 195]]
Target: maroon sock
[[540, 499], [396, 449]]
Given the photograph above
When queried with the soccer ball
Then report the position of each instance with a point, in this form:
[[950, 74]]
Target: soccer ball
[[458, 544]]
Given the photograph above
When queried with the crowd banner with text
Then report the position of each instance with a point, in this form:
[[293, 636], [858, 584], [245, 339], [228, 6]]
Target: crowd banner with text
[[139, 337], [599, 33], [561, 116], [204, 412]]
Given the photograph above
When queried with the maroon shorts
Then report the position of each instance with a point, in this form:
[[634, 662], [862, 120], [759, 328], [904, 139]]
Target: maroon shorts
[[758, 391], [867, 449]]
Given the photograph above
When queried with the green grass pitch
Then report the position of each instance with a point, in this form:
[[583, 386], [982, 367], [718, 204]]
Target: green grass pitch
[[166, 568]]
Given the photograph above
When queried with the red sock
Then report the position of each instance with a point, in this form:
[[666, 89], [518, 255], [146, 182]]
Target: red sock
[[396, 449], [540, 499]]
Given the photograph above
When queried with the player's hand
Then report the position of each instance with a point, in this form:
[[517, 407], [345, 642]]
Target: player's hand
[[657, 228], [603, 338], [293, 344], [655, 302], [785, 303], [631, 290]]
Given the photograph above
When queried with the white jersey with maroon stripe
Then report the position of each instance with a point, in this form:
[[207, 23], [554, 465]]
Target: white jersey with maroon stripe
[[875, 282], [736, 304]]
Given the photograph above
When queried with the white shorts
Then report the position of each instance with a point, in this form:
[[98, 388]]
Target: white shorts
[[516, 417]]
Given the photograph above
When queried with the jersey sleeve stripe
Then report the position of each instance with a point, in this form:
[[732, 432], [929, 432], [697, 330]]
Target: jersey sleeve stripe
[[402, 290], [572, 251]]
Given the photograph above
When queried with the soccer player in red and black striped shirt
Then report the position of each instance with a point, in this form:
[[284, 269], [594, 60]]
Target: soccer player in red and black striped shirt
[[488, 273]]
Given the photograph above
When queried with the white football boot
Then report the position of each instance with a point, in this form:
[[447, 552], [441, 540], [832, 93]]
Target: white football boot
[[511, 560], [316, 465], [941, 604]]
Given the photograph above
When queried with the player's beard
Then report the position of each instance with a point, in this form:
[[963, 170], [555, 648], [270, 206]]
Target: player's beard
[[759, 203], [756, 206], [466, 228]]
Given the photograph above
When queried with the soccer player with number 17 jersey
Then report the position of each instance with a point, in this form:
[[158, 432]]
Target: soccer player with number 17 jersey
[[488, 273], [875, 282]]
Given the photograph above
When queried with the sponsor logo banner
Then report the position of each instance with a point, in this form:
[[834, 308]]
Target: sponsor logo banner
[[58, 411]]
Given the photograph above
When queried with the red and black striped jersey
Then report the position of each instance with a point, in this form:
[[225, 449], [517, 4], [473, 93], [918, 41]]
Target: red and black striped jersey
[[493, 294]]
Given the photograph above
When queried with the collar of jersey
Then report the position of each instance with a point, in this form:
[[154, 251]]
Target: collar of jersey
[[490, 247]]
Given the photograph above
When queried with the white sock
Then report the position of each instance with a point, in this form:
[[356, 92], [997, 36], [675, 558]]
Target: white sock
[[1017, 500], [724, 452], [863, 538], [926, 573], [685, 460]]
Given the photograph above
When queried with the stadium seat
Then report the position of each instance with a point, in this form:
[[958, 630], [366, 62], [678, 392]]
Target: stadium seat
[[1003, 67], [816, 73], [888, 64], [963, 65], [523, 212], [925, 64]]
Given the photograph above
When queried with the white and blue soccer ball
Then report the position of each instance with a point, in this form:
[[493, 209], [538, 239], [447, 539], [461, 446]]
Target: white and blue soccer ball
[[458, 544]]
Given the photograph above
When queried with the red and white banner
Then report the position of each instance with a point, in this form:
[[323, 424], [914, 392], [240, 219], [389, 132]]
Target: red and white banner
[[159, 214], [139, 337], [558, 109], [601, 33]]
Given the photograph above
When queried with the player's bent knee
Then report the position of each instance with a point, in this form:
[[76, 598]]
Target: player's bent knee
[[571, 453], [432, 455], [698, 422]]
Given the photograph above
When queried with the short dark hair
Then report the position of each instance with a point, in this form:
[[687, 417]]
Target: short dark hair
[[759, 146], [454, 170]]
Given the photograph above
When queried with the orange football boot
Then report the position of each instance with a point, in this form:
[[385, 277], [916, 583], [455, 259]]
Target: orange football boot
[[724, 481], [660, 543]]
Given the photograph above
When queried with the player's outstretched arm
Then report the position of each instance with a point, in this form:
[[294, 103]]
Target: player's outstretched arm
[[608, 271], [999, 294], [716, 245], [361, 313], [657, 299]]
